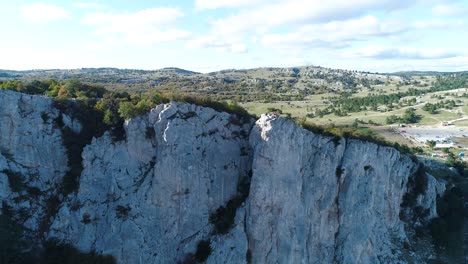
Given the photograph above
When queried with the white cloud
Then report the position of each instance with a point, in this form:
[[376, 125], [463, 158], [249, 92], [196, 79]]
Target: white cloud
[[334, 34], [299, 12], [383, 52], [453, 9], [232, 45], [89, 5], [153, 16], [144, 27], [438, 24], [40, 13], [215, 4], [341, 34], [46, 59], [329, 23]]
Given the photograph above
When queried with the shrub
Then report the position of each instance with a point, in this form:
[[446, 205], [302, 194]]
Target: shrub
[[150, 133], [93, 123], [57, 253], [122, 212], [203, 251], [420, 180], [86, 219], [15, 180], [12, 240], [45, 117], [360, 133], [223, 218], [339, 171], [232, 108], [447, 229]]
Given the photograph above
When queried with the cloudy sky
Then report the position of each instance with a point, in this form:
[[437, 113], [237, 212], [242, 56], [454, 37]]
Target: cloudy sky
[[208, 35]]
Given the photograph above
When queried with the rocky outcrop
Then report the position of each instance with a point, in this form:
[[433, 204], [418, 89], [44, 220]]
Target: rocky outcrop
[[314, 199], [175, 189], [33, 159], [148, 199]]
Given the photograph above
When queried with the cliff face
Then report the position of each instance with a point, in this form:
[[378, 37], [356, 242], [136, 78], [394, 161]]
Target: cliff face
[[148, 199], [314, 199], [192, 184], [33, 160]]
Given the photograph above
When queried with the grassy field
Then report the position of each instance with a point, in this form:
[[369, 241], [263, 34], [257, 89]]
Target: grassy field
[[302, 108], [463, 123]]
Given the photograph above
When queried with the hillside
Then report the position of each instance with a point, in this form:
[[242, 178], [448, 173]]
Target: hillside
[[320, 95], [242, 85]]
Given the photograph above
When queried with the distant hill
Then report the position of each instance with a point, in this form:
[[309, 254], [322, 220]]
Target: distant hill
[[179, 71], [418, 73], [264, 84], [424, 73]]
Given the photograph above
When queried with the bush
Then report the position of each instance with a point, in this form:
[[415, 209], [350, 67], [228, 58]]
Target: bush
[[339, 171], [203, 251], [15, 180], [122, 212], [92, 123], [58, 253], [12, 240], [447, 229], [223, 217], [360, 133], [232, 108]]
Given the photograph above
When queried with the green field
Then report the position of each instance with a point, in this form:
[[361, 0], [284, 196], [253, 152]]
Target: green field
[[302, 108]]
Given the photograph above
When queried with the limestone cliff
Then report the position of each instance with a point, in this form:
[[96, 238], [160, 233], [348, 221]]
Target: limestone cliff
[[189, 184]]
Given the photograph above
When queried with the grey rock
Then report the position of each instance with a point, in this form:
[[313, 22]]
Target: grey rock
[[148, 198], [31, 149], [316, 200]]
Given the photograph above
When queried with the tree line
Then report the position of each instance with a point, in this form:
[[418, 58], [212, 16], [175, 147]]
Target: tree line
[[116, 106]]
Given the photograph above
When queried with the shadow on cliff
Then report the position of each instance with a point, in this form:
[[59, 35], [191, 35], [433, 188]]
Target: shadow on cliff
[[449, 230], [16, 247]]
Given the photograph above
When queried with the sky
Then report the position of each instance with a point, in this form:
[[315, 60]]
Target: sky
[[211, 35]]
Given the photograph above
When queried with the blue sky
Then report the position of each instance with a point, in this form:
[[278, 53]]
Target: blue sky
[[209, 35]]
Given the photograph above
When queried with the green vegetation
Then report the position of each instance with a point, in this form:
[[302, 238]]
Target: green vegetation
[[416, 185], [431, 144], [52, 204], [114, 107], [356, 104], [451, 81], [360, 133], [223, 218], [104, 98], [15, 180], [72, 88], [99, 110], [74, 142], [122, 212], [447, 229], [58, 253], [203, 251], [432, 108], [12, 240], [16, 247], [201, 255], [408, 117], [338, 172], [328, 95]]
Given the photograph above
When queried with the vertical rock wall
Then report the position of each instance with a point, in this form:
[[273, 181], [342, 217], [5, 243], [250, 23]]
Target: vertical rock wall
[[153, 197]]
